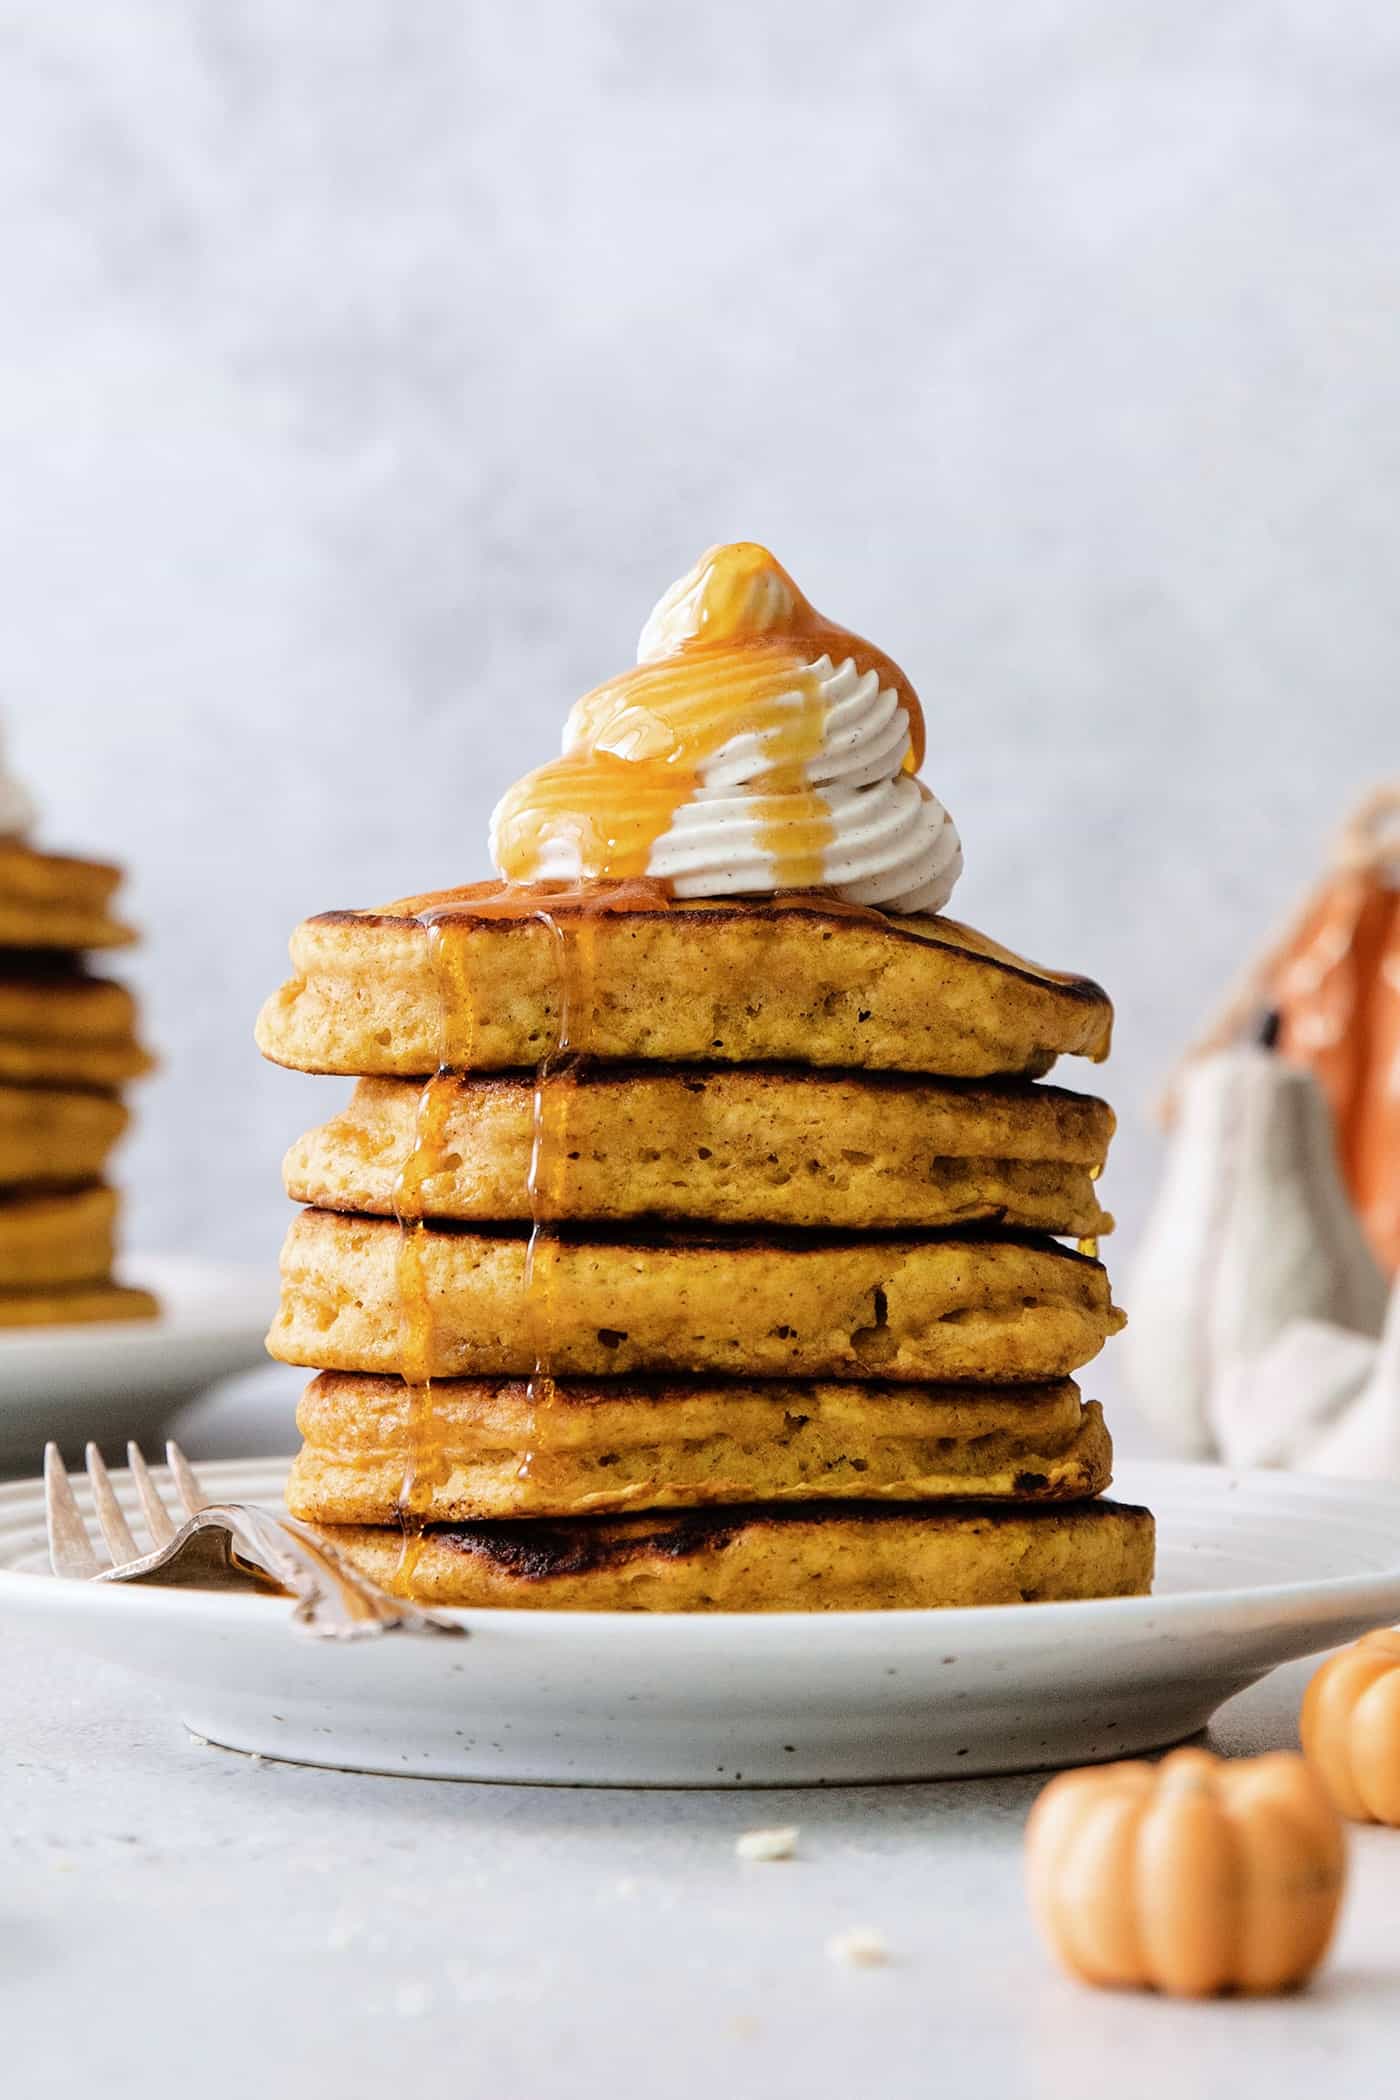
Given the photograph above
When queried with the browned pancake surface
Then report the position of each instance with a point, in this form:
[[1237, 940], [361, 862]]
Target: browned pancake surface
[[827, 1557]]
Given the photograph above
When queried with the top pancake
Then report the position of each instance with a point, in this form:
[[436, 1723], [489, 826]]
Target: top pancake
[[440, 980], [49, 900]]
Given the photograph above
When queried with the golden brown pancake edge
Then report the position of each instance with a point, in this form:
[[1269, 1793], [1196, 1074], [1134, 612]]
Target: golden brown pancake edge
[[502, 1448], [793, 1557], [734, 983]]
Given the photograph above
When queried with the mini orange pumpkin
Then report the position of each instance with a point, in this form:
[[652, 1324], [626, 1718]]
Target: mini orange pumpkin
[[1351, 1727], [1192, 1877]]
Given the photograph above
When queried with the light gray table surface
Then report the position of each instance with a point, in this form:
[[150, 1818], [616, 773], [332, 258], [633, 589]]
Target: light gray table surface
[[175, 1919]]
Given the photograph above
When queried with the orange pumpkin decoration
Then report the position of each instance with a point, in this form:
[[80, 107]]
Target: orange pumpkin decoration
[[1192, 1877], [1351, 1727], [1333, 980]]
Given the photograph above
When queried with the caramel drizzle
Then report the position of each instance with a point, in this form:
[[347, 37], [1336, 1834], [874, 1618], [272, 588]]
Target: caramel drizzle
[[572, 934], [544, 1182], [638, 744], [526, 900], [423, 1463]]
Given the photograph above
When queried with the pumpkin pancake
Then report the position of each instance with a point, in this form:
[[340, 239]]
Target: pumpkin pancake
[[989, 1310], [49, 900], [57, 1134], [766, 1145], [624, 974], [58, 1027], [487, 1448], [56, 1237], [789, 1557], [83, 1305]]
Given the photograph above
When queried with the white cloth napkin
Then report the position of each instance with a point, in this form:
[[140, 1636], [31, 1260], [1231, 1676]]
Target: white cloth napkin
[[1319, 1398], [1252, 1235]]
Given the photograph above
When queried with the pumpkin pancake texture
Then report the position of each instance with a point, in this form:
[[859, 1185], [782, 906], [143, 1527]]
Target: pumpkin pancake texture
[[491, 1448], [787, 1146], [438, 980], [788, 1557], [967, 1309]]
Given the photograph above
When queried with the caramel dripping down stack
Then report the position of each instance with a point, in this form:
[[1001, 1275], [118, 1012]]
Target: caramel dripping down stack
[[67, 1045], [721, 1265]]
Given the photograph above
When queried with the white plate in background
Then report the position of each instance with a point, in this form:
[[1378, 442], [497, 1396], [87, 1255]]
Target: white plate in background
[[1254, 1570], [114, 1379]]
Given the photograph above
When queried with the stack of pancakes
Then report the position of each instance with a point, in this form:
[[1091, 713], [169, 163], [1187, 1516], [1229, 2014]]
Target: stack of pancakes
[[716, 1268], [67, 1043]]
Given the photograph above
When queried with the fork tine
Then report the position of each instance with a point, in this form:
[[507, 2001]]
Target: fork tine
[[154, 1510], [70, 1548], [115, 1529], [190, 1491]]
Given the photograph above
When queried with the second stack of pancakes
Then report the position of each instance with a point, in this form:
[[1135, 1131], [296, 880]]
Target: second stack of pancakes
[[68, 1043], [751, 1295]]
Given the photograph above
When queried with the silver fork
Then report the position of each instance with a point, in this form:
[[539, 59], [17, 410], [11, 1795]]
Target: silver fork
[[220, 1545]]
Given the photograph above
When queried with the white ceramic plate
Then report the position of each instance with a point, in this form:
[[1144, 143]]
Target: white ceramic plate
[[111, 1380], [1255, 1569]]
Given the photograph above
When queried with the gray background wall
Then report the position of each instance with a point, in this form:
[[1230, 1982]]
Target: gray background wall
[[368, 369]]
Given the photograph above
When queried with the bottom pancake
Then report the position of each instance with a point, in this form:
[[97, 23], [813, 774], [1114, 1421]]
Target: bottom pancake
[[56, 1238], [793, 1557], [82, 1306], [473, 1448]]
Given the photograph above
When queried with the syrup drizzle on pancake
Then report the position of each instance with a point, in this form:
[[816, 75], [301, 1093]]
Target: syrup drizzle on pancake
[[569, 915], [414, 1301]]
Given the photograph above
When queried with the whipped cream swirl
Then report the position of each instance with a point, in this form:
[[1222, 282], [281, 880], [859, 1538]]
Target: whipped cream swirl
[[756, 748]]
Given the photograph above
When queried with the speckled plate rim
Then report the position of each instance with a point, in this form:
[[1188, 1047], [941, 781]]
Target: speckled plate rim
[[1259, 1569], [1169, 1489]]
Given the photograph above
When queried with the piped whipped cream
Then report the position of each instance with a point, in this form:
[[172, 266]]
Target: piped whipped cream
[[17, 812], [756, 747]]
